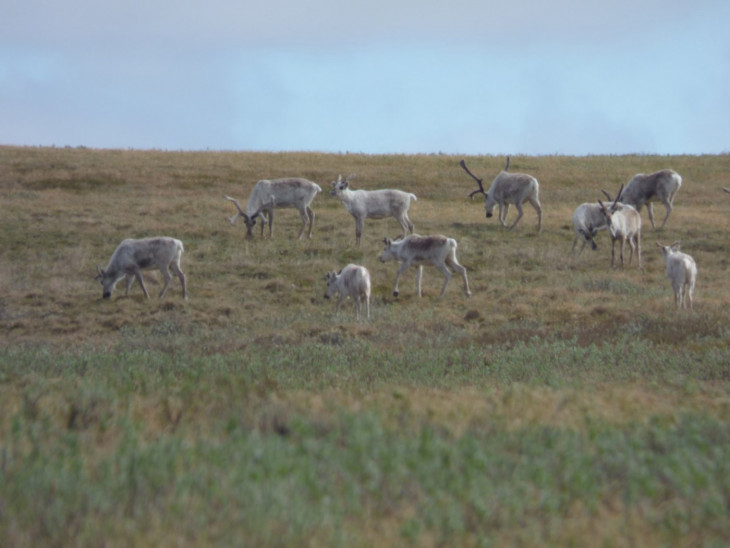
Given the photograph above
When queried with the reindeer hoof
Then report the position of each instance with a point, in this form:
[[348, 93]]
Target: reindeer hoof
[[395, 293]]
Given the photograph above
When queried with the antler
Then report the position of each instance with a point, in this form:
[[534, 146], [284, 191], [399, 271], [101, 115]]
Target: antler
[[238, 207], [477, 179], [620, 189]]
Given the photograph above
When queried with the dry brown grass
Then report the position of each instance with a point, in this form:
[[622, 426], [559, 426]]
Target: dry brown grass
[[64, 211]]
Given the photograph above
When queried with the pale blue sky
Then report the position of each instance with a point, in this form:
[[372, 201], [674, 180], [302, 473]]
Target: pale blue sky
[[405, 76]]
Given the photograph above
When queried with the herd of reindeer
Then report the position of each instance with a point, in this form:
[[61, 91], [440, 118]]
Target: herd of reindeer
[[620, 216]]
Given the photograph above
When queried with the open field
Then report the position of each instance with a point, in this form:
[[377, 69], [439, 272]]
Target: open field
[[563, 403]]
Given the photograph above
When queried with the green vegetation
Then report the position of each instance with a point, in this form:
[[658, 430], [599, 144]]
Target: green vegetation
[[565, 403]]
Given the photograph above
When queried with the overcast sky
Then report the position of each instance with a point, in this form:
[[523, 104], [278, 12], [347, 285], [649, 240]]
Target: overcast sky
[[373, 76]]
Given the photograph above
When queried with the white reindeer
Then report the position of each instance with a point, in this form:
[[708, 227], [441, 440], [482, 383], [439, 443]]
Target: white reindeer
[[131, 257], [509, 188], [352, 281], [624, 224], [277, 193], [419, 250], [373, 204], [682, 273], [588, 219], [646, 188]]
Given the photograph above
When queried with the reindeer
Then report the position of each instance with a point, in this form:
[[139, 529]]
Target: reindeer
[[588, 219], [131, 257], [373, 204], [352, 281], [419, 250], [509, 188], [624, 223], [277, 193], [646, 188], [682, 273]]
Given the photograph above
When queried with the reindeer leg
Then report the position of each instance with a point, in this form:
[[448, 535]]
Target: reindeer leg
[[503, 211], [613, 251], [179, 274], [271, 224], [305, 218], [538, 209], [409, 223], [419, 275], [397, 277], [623, 242], [357, 306], [359, 222], [403, 225], [166, 274], [650, 209], [129, 283], [138, 275], [447, 276], [519, 216], [310, 214], [668, 205], [452, 262]]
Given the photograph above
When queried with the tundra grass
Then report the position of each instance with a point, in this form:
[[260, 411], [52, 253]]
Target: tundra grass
[[564, 403]]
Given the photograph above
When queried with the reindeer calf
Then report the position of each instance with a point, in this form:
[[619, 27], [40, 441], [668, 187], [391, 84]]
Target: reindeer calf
[[419, 250], [352, 281], [131, 257], [682, 273]]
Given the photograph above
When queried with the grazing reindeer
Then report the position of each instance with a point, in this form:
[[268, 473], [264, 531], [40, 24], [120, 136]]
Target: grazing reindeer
[[509, 188], [682, 273], [373, 204], [416, 250], [624, 223], [131, 257], [588, 219], [352, 281], [646, 188], [277, 193]]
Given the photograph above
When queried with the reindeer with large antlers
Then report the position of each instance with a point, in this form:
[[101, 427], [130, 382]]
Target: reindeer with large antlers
[[277, 193], [509, 188]]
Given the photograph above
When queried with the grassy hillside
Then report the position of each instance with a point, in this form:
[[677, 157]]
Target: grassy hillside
[[563, 402]]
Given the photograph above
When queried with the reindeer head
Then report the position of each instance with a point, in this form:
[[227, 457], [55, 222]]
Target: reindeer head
[[339, 185], [669, 249], [388, 253], [250, 222], [107, 282], [331, 278]]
